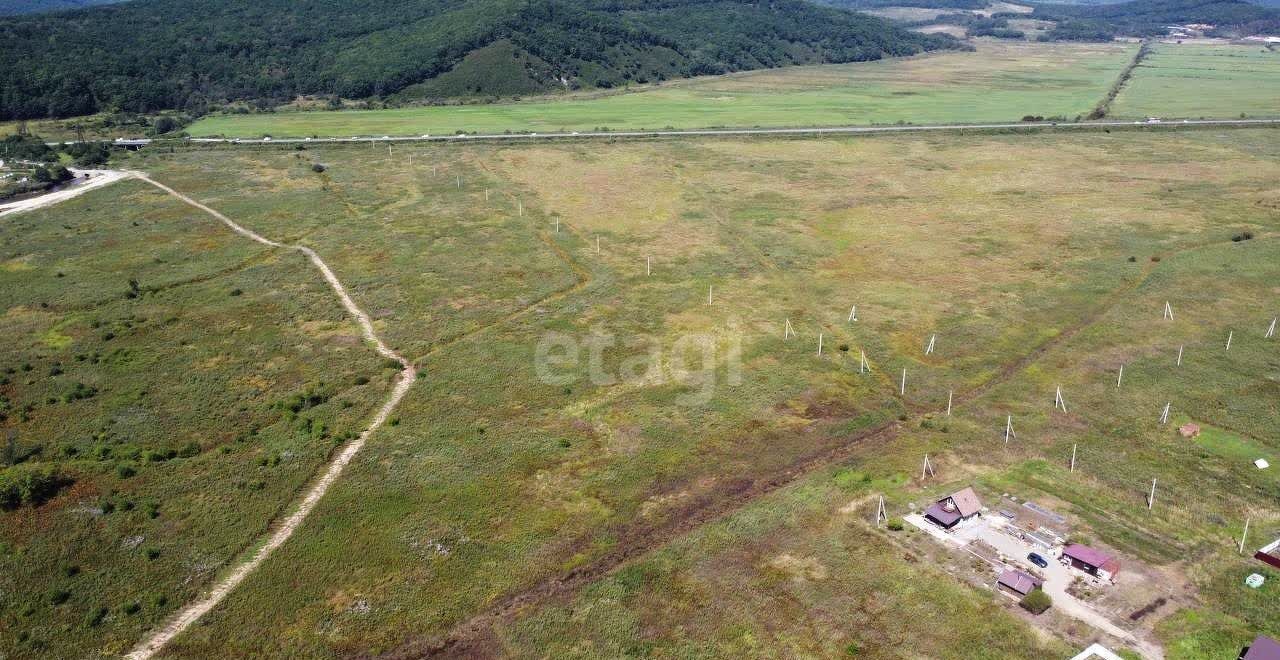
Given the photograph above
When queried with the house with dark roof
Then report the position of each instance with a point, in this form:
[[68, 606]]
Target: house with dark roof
[[1270, 554], [1262, 648], [1092, 561], [950, 510], [1017, 583]]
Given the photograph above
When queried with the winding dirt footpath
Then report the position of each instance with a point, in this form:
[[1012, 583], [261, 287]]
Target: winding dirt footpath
[[189, 614]]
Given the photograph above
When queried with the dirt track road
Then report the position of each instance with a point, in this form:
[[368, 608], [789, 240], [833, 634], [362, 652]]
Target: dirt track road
[[285, 528], [192, 612], [97, 179]]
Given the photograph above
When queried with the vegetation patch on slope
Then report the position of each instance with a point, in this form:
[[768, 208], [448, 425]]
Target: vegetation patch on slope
[[148, 55]]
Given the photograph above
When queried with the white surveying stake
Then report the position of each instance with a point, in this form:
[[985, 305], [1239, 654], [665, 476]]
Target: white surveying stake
[[862, 366], [950, 393], [853, 315], [1073, 457], [1058, 401], [1008, 429], [1245, 535], [1164, 415], [1271, 329], [787, 330], [1230, 335], [1168, 311], [1180, 348], [881, 516], [819, 344], [646, 265], [902, 391], [926, 468], [928, 350], [1120, 377], [1151, 500]]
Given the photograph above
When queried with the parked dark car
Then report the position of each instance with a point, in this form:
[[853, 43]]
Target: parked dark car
[[1038, 560]]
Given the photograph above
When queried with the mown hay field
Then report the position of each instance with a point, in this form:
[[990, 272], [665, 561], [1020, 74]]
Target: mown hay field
[[1000, 81], [1194, 80]]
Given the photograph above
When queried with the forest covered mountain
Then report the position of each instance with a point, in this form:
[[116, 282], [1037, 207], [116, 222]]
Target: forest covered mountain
[[15, 7], [1150, 17], [148, 55]]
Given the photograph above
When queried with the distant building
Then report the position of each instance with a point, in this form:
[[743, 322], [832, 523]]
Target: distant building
[[1269, 554], [1262, 648], [1092, 561], [950, 510], [1097, 652], [1189, 430], [1017, 583]]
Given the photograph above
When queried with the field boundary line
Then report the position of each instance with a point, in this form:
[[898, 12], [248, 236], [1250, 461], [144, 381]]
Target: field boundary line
[[1104, 106], [285, 528]]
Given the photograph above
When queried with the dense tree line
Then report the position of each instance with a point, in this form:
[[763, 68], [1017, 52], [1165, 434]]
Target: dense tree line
[[15, 7], [1148, 17], [148, 55], [928, 4]]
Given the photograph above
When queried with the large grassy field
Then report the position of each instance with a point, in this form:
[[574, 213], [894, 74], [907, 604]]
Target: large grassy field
[[1192, 80], [155, 362], [697, 484], [1001, 81]]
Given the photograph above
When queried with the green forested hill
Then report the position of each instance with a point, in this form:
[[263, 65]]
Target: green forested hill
[[14, 7], [147, 55], [1149, 17]]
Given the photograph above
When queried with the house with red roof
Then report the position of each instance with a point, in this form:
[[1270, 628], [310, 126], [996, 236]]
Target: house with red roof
[[1017, 583], [1262, 648], [954, 508], [1092, 561]]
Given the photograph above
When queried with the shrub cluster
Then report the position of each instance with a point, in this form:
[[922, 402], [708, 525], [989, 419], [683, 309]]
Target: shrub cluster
[[30, 485]]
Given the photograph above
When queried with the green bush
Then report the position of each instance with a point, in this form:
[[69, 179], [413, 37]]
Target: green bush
[[96, 617], [30, 485], [1036, 602], [895, 524]]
